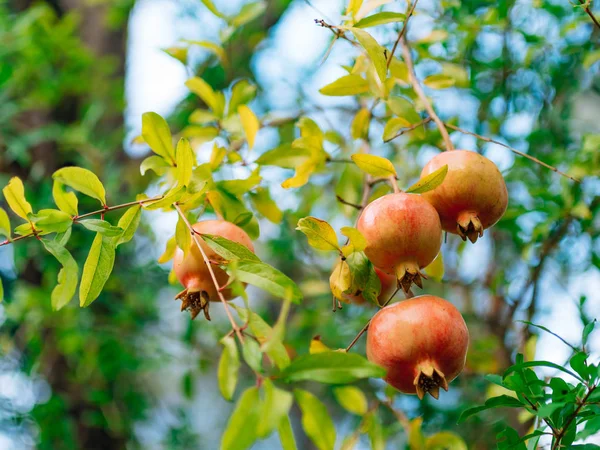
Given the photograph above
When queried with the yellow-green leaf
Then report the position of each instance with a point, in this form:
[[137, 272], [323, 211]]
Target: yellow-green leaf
[[167, 201], [393, 127], [429, 182], [435, 270], [97, 269], [215, 48], [375, 51], [347, 85], [250, 124], [203, 90], [156, 163], [357, 242], [14, 193], [229, 366], [82, 180], [380, 19], [416, 440], [66, 201], [240, 432], [300, 178], [445, 440], [51, 221], [216, 157], [316, 420], [249, 11], [157, 135], [439, 81], [340, 280], [4, 224], [286, 434], [185, 158], [399, 70], [275, 406], [319, 233], [360, 124], [213, 9], [374, 165], [352, 399], [265, 205], [67, 276], [353, 7], [183, 237], [129, 223], [317, 346], [401, 107]]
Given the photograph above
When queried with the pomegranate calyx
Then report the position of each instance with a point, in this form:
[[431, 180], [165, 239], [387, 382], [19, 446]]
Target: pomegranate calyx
[[194, 301], [469, 226], [407, 274], [429, 380]]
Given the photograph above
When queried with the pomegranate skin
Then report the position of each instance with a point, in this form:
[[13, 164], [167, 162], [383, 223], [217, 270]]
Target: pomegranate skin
[[403, 234], [472, 197], [192, 272], [422, 342], [388, 284]]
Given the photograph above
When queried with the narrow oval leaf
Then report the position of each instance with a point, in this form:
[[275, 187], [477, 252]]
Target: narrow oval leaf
[[229, 250], [183, 236], [346, 85], [380, 19], [374, 165], [1, 291], [67, 277], [51, 221], [101, 226], [4, 224], [23, 229], [203, 90], [155, 163], [375, 51], [265, 205], [97, 269], [302, 175], [129, 223], [169, 252], [213, 9], [185, 160], [435, 270], [445, 440], [286, 434], [252, 354], [66, 201], [331, 368], [393, 127], [82, 180], [340, 280], [167, 201], [14, 193], [240, 433], [357, 242], [316, 420], [274, 408], [319, 233], [359, 129], [268, 278], [429, 182], [439, 81], [250, 124], [352, 399], [157, 135], [229, 366]]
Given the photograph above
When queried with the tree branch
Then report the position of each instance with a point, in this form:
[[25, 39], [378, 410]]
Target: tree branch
[[586, 8], [402, 31]]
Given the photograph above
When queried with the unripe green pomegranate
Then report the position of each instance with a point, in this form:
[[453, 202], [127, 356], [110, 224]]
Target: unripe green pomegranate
[[422, 342], [192, 272], [472, 197], [403, 234]]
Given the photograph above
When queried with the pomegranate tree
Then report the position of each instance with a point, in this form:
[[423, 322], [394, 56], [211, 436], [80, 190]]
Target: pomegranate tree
[[422, 342], [403, 234], [193, 273], [472, 197]]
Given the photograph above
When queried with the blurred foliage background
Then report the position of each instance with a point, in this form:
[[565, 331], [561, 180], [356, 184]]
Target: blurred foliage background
[[132, 371]]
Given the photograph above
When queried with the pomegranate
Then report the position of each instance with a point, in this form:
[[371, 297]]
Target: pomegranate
[[422, 342], [388, 283], [472, 197], [193, 274], [403, 234]]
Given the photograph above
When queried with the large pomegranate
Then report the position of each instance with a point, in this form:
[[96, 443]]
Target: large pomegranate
[[388, 284], [422, 342], [472, 197], [403, 234], [193, 274]]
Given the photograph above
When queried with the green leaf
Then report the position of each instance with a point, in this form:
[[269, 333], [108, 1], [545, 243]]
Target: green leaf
[[587, 330], [240, 433], [521, 366], [393, 127], [403, 108], [302, 175], [4, 224], [173, 196], [269, 279], [67, 277], [375, 51], [229, 366], [435, 270], [439, 81], [357, 242], [274, 408], [250, 124], [591, 58], [14, 193], [102, 227], [352, 399], [203, 90], [212, 8], [429, 182], [156, 133], [82, 180], [66, 201], [494, 402], [316, 420], [23, 229], [1, 291], [353, 7], [51, 221], [229, 250], [331, 368], [445, 440], [242, 92], [264, 204], [129, 223], [241, 186], [155, 163], [372, 288], [319, 233], [284, 156], [211, 46], [286, 434], [380, 19], [97, 269], [374, 165], [252, 354], [359, 129], [346, 85], [249, 12], [185, 158], [183, 237]]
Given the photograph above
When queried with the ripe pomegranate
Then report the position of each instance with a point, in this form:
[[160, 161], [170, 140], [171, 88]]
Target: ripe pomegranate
[[403, 234], [388, 284], [473, 195], [422, 342], [193, 274]]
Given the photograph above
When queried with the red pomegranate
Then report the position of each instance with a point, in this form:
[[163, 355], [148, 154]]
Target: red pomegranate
[[403, 234], [472, 197], [422, 342], [193, 274], [388, 284]]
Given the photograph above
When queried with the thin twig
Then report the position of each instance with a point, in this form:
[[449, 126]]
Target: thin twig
[[586, 8], [419, 91], [211, 271], [344, 202], [402, 31], [394, 184], [337, 31], [514, 150], [412, 127]]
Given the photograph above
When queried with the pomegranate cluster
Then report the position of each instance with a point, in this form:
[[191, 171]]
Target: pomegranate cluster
[[422, 342]]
